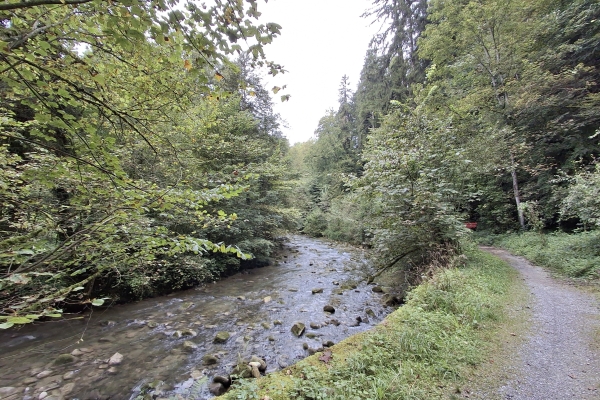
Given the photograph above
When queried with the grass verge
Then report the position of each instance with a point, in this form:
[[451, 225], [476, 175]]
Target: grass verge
[[572, 255], [426, 349]]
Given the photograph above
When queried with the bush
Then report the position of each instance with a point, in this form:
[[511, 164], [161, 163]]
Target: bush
[[575, 255]]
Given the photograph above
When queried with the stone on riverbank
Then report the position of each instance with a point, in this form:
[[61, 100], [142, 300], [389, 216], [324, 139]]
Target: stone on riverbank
[[317, 290], [314, 325], [216, 389], [329, 308]]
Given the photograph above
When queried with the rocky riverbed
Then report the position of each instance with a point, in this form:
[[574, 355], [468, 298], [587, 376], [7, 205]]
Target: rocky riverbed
[[313, 295]]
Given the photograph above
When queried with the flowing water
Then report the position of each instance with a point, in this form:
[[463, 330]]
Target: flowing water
[[257, 307]]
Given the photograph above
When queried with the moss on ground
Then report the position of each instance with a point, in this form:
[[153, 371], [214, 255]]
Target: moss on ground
[[430, 348]]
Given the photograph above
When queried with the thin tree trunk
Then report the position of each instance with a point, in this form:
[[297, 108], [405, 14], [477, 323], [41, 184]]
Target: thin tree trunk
[[513, 172]]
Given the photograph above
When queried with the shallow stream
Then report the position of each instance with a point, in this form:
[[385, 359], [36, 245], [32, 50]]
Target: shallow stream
[[257, 308]]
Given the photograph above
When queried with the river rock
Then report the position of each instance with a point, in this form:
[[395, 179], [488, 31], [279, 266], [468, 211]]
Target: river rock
[[209, 359], [151, 324], [68, 375], [86, 350], [44, 374], [329, 308], [242, 298], [266, 325], [267, 299], [67, 389], [30, 380], [186, 305], [263, 364], [64, 359], [189, 347], [317, 290], [106, 340], [216, 388], [277, 322], [42, 395], [334, 322], [390, 300], [188, 333], [305, 346], [107, 323], [370, 313], [271, 338], [328, 343], [314, 325], [112, 370], [377, 289], [7, 391], [224, 380], [77, 353], [221, 337], [311, 335], [116, 359], [298, 329], [255, 371]]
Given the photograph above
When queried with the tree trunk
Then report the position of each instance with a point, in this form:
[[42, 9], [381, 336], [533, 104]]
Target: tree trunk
[[513, 172]]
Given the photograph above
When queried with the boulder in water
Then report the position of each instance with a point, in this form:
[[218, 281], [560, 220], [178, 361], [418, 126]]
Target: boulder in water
[[298, 329], [329, 308], [64, 359], [222, 337]]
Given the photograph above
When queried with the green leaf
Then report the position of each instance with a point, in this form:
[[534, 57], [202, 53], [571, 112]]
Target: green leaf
[[97, 302], [6, 325], [19, 320]]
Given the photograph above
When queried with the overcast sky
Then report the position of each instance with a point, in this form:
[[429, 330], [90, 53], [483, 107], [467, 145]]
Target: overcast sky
[[321, 40]]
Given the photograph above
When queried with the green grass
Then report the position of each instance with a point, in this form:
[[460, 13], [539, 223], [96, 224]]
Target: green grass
[[573, 255], [426, 349]]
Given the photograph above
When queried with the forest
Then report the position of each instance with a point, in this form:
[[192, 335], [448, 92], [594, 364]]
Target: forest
[[141, 154]]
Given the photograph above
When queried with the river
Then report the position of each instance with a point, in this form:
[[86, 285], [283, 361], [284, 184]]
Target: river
[[256, 307]]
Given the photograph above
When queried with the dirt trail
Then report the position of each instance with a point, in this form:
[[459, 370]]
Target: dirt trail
[[561, 357]]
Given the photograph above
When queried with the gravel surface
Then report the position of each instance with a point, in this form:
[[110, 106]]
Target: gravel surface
[[561, 357]]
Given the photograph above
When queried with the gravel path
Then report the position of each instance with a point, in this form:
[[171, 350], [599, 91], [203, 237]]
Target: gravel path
[[561, 357]]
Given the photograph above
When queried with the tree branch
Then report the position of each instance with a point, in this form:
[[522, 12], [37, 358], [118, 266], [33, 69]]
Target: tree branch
[[35, 3]]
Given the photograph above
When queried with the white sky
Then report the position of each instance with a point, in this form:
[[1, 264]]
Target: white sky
[[321, 40]]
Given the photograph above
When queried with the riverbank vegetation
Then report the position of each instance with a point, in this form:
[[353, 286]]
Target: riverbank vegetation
[[571, 255], [425, 349], [464, 112]]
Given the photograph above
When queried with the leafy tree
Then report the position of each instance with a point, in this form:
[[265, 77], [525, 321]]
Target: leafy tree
[[105, 175]]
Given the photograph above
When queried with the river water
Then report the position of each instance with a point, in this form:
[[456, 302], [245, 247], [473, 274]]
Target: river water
[[257, 308]]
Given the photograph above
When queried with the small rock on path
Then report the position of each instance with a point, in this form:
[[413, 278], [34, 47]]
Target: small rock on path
[[559, 360]]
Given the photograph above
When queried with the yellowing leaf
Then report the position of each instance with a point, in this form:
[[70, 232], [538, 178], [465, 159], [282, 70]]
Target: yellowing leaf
[[187, 65], [276, 89], [218, 76]]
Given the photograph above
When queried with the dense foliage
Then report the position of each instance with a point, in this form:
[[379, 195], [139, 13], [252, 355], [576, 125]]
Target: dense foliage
[[481, 111], [136, 157]]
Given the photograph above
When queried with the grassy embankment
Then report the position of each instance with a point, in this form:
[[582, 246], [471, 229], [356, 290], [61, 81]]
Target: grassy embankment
[[429, 348], [572, 255]]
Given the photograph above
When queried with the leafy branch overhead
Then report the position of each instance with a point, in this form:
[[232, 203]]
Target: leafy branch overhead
[[116, 169]]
